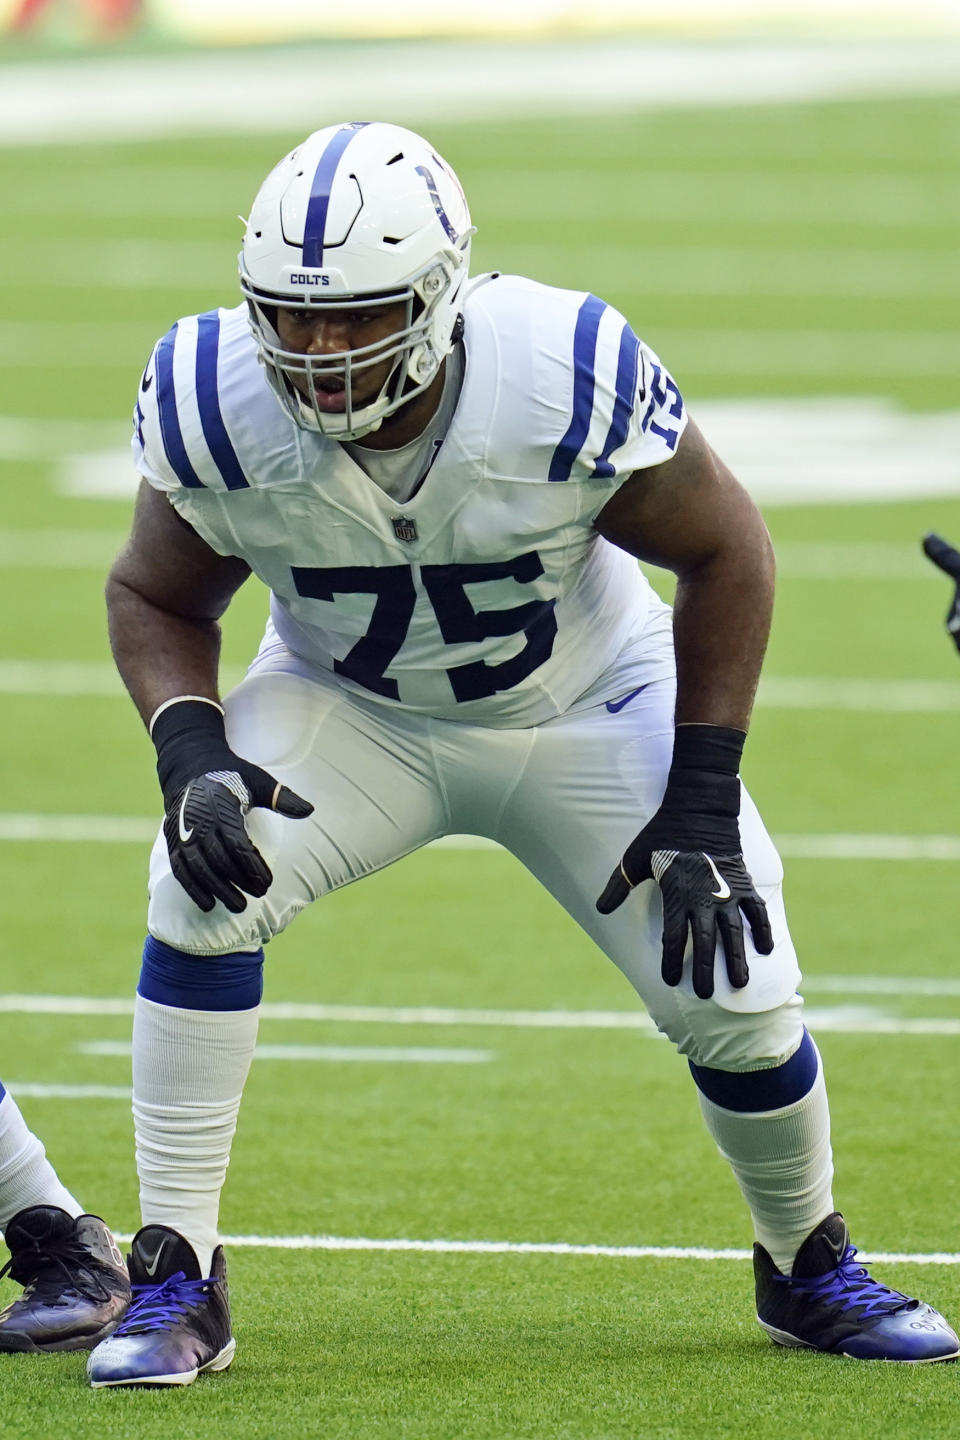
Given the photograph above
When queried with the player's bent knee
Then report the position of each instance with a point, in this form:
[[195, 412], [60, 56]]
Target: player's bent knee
[[174, 919], [753, 1092], [719, 1039]]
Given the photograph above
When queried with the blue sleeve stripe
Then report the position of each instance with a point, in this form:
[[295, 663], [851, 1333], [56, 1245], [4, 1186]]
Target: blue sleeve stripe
[[584, 356], [169, 419], [208, 401], [627, 367], [138, 424]]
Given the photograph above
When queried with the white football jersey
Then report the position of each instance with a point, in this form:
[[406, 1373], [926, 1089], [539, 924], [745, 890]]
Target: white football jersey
[[489, 596]]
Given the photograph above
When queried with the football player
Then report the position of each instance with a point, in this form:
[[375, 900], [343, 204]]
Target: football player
[[947, 558], [75, 1282], [446, 484]]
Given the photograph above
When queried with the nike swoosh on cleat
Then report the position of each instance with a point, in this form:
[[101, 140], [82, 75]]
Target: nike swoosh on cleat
[[724, 892], [151, 1270], [615, 705], [184, 834]]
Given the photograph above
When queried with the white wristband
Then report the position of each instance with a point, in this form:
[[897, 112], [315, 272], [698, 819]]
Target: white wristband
[[204, 699]]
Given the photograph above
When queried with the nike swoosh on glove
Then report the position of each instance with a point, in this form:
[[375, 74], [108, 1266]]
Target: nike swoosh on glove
[[211, 853], [208, 790]]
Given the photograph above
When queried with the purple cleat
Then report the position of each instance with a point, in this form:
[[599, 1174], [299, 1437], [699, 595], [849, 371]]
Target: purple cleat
[[830, 1302], [178, 1325]]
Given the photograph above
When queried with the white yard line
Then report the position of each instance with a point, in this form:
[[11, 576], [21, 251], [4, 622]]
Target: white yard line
[[879, 354], [27, 1090], [796, 559], [60, 549], [802, 692], [49, 438], [508, 1247], [853, 560], [162, 264], [150, 96], [801, 451], [777, 692], [142, 830], [335, 1054], [856, 1019]]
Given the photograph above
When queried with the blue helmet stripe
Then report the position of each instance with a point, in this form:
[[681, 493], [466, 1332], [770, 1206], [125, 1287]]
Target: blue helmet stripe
[[627, 366], [442, 215], [316, 221], [584, 355], [208, 402], [169, 419]]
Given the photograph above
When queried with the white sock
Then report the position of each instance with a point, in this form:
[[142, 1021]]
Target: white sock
[[783, 1164], [26, 1175], [189, 1069]]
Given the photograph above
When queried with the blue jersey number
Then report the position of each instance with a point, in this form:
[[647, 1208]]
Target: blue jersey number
[[459, 622]]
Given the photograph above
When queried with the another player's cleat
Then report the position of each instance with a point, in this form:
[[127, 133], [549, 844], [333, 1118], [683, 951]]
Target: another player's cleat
[[830, 1302], [75, 1282], [179, 1322]]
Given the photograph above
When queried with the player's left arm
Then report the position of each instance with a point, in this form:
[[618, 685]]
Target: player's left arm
[[691, 516]]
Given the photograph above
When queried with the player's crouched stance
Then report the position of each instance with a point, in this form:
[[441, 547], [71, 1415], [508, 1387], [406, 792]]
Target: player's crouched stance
[[447, 505]]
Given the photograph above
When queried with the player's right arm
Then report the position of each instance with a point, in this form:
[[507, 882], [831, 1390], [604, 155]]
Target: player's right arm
[[165, 594]]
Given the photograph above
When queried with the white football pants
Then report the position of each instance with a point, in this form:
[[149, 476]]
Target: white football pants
[[565, 798]]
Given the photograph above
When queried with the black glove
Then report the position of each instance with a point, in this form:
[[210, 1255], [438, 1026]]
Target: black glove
[[943, 554], [207, 790], [691, 847]]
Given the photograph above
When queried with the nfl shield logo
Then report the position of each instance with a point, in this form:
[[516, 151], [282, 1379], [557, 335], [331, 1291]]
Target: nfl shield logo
[[404, 528]]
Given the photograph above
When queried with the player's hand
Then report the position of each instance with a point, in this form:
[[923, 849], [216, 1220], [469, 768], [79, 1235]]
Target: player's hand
[[691, 847], [207, 791], [948, 559], [702, 896]]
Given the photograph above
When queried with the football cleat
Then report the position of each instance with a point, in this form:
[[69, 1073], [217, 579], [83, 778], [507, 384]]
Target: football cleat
[[75, 1282], [830, 1302], [178, 1325]]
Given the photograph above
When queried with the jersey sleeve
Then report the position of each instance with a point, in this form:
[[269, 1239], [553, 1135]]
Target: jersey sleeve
[[180, 438], [626, 410]]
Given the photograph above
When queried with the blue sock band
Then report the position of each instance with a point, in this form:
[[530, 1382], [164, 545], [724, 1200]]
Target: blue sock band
[[757, 1090], [200, 982]]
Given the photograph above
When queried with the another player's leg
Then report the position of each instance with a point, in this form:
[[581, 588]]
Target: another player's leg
[[758, 1074], [75, 1283]]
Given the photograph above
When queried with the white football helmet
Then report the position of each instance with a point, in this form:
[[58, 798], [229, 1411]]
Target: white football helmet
[[364, 214]]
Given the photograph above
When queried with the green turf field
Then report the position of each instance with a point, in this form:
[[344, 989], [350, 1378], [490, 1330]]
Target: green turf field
[[802, 250]]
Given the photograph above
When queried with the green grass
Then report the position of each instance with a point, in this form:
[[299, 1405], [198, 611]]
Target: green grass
[[765, 251]]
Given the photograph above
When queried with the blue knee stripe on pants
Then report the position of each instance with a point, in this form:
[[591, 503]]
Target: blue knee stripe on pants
[[200, 982], [756, 1090], [2, 1090]]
